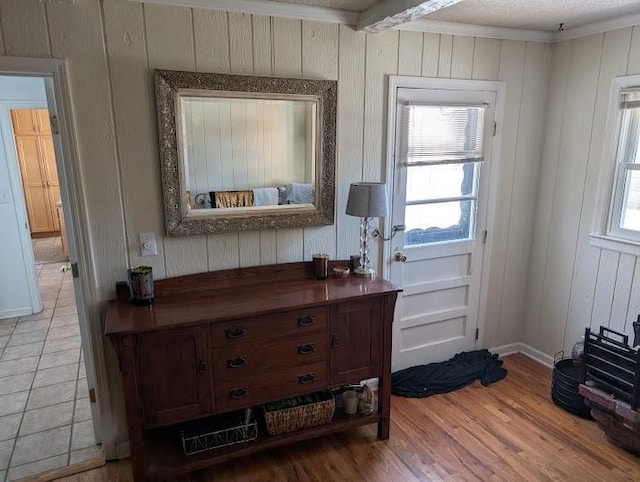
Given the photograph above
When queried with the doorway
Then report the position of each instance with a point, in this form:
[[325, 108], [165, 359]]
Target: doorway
[[46, 374], [443, 151]]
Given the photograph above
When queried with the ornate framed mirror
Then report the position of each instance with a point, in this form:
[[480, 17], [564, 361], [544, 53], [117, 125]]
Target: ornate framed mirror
[[243, 153]]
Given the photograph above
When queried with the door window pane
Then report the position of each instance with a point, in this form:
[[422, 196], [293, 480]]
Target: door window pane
[[435, 222], [440, 181]]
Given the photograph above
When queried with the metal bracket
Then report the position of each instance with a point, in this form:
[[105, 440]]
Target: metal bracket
[[53, 120], [394, 230]]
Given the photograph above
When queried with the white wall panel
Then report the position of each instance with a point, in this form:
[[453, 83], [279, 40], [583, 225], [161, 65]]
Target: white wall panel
[[444, 56], [615, 51], [462, 57], [210, 30], [169, 34], [262, 46], [430, 54], [547, 182], [510, 70], [240, 43], [320, 61], [410, 53], [580, 285], [351, 54], [486, 59], [524, 190], [18, 17]]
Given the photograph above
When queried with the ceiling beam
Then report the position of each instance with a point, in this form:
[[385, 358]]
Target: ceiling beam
[[392, 13]]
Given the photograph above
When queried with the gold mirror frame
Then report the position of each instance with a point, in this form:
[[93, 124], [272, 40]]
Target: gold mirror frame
[[179, 219]]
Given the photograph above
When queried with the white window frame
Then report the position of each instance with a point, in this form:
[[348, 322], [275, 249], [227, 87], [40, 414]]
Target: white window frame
[[606, 233]]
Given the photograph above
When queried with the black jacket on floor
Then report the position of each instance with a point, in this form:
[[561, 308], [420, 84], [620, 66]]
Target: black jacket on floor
[[459, 371]]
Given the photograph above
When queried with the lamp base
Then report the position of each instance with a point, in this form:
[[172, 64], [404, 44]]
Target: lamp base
[[361, 272]]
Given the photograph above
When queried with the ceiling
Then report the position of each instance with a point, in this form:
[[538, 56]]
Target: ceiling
[[523, 14]]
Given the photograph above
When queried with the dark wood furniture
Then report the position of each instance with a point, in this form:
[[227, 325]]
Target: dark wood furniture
[[612, 365], [226, 340], [611, 386]]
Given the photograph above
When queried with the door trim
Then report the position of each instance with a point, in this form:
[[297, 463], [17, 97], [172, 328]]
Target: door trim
[[58, 90], [430, 83]]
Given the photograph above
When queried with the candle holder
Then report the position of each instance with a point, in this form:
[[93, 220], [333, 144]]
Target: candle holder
[[141, 285]]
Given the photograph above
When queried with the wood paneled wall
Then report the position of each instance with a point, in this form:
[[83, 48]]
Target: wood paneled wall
[[112, 47], [572, 284]]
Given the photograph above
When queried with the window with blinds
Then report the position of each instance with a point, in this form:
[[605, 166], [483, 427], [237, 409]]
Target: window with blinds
[[625, 213], [442, 149]]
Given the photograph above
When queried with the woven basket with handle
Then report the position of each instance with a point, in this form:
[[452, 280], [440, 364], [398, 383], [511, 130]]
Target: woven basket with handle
[[299, 417]]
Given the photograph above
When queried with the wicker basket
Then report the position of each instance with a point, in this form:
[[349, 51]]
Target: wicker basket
[[301, 416]]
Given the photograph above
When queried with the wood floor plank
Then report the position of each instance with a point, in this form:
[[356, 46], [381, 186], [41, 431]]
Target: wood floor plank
[[509, 431]]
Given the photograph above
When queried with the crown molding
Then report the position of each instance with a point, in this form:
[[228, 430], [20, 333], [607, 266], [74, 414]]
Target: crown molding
[[598, 27], [331, 15], [504, 33], [268, 8]]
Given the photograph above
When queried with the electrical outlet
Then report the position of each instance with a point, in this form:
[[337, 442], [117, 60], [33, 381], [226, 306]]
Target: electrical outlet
[[148, 246]]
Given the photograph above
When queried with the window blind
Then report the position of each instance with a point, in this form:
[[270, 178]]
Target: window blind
[[630, 99], [439, 134]]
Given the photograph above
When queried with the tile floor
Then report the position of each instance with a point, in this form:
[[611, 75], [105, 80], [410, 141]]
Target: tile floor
[[45, 416]]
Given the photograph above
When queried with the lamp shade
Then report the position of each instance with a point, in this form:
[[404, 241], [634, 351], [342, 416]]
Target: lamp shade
[[367, 200]]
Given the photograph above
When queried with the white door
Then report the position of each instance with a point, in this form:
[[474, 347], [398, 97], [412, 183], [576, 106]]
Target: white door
[[74, 259], [440, 192]]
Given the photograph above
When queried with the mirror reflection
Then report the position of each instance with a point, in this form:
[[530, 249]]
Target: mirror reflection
[[244, 153]]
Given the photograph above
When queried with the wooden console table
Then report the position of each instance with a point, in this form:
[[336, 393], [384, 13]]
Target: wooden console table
[[227, 340]]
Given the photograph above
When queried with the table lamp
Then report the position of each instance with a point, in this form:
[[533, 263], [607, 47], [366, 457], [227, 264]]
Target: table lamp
[[366, 200]]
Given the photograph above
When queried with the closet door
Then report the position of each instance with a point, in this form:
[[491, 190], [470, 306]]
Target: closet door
[[36, 156], [48, 159], [36, 192], [24, 121]]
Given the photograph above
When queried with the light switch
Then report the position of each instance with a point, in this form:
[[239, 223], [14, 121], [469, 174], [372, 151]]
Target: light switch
[[148, 246]]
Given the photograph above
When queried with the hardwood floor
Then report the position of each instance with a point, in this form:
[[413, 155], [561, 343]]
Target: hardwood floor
[[508, 431]]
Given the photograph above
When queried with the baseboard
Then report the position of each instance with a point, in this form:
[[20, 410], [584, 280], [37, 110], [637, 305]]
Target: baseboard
[[527, 350], [67, 471]]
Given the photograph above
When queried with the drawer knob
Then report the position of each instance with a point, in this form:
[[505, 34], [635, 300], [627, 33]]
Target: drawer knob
[[238, 393], [306, 321], [307, 348], [237, 362], [235, 332], [306, 378], [203, 368]]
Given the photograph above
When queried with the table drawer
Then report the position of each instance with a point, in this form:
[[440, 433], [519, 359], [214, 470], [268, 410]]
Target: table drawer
[[239, 393], [268, 327], [267, 356]]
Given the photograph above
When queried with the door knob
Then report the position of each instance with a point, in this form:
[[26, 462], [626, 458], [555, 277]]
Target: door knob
[[400, 256]]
